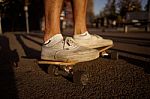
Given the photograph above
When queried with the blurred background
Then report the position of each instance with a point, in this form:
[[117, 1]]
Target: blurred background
[[27, 15], [123, 74]]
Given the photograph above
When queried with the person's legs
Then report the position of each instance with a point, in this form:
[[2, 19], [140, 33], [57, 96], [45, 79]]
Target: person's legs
[[79, 11], [54, 47], [52, 18], [81, 35]]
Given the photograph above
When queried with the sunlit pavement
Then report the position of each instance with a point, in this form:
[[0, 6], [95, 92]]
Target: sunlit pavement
[[122, 78]]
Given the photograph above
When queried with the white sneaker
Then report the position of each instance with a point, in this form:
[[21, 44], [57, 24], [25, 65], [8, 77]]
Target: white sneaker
[[92, 41], [67, 51]]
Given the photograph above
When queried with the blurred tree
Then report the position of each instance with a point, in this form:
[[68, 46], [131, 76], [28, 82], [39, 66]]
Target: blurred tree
[[147, 7], [109, 15], [36, 12], [90, 12], [11, 11], [125, 6], [112, 10], [109, 10]]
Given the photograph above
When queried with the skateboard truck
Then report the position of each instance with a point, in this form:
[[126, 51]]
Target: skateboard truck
[[68, 69], [104, 53]]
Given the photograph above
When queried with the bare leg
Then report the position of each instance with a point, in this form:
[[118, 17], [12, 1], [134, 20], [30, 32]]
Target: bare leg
[[79, 11], [55, 49], [86, 39], [52, 18]]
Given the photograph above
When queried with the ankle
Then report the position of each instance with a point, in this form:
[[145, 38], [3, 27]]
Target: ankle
[[84, 35], [79, 30], [55, 38]]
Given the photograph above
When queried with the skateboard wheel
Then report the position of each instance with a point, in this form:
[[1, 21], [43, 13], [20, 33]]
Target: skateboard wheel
[[81, 77], [84, 79], [104, 53], [114, 55], [68, 69], [56, 71], [50, 70]]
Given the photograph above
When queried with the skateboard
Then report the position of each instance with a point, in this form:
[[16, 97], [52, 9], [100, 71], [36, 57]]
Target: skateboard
[[102, 50], [66, 68]]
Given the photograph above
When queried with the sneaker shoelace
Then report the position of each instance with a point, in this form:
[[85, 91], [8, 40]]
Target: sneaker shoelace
[[97, 36], [70, 44]]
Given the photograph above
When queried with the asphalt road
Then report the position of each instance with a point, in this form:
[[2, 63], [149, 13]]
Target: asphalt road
[[124, 78]]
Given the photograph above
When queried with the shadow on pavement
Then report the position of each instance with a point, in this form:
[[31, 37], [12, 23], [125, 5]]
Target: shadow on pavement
[[32, 40], [8, 61], [30, 53]]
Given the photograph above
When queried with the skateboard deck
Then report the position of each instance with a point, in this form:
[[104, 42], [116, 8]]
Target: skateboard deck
[[56, 62], [68, 66], [101, 49], [59, 65]]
